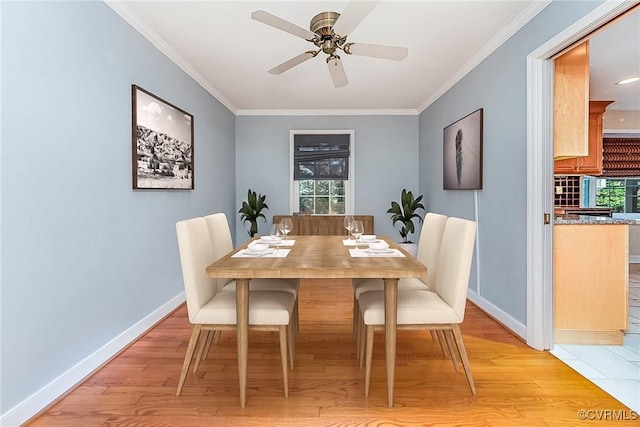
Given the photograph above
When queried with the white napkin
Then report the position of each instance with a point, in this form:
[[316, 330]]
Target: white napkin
[[365, 253], [270, 253], [269, 240]]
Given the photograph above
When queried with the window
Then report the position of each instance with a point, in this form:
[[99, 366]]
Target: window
[[621, 194], [322, 172]]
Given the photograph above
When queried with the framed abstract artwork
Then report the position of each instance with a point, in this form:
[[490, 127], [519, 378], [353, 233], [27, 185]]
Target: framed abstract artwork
[[462, 153], [162, 136]]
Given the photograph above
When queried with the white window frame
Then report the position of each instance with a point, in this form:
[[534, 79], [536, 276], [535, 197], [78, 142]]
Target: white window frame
[[349, 202]]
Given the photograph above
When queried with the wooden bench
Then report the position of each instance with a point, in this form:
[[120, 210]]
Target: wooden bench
[[323, 224]]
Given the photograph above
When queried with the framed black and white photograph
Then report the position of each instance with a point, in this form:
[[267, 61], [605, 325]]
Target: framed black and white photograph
[[162, 143], [462, 153]]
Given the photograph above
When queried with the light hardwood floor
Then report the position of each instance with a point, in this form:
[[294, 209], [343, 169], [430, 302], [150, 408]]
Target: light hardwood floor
[[516, 385]]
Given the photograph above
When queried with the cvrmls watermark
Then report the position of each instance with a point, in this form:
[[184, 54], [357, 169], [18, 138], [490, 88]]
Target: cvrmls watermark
[[607, 415]]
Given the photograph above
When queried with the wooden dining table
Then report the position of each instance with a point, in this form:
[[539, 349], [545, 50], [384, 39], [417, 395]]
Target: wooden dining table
[[314, 257]]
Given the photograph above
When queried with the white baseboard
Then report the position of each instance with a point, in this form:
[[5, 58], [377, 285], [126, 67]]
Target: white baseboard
[[634, 259], [507, 321], [48, 394]]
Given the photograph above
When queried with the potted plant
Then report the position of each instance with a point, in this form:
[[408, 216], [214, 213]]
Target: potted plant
[[404, 213], [251, 210]]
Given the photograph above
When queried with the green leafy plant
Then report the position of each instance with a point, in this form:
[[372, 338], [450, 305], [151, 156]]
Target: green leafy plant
[[251, 210], [404, 212]]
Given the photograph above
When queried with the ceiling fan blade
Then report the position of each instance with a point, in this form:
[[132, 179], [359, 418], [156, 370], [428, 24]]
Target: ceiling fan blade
[[296, 60], [281, 24], [394, 53], [336, 70], [352, 15]]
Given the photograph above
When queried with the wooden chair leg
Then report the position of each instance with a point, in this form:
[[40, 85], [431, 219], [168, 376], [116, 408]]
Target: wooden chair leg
[[452, 352], [441, 341], [283, 358], [358, 337], [296, 323], [216, 337], [195, 335], [457, 335], [292, 344], [362, 340], [369, 356], [213, 336], [201, 347], [358, 330], [356, 315]]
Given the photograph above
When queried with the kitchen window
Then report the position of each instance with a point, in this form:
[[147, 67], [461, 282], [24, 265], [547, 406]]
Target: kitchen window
[[322, 170], [621, 194]]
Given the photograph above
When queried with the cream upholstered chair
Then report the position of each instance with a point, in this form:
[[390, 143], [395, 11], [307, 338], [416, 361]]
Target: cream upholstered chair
[[442, 309], [211, 309], [220, 235], [428, 250]]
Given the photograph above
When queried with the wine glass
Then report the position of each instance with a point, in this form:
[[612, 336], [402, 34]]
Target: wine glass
[[287, 225], [276, 235], [357, 229], [348, 220]]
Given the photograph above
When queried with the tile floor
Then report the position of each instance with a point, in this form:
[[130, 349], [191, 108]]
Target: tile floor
[[615, 369]]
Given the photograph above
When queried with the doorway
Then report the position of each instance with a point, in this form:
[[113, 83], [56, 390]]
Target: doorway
[[540, 169]]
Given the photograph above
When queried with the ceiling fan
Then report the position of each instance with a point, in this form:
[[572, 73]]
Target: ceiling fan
[[329, 32]]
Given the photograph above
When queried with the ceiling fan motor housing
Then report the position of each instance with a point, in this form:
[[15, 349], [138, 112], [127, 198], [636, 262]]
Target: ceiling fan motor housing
[[322, 25]]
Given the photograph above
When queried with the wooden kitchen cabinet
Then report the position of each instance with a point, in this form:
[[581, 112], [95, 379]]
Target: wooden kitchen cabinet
[[571, 103], [592, 163], [590, 283]]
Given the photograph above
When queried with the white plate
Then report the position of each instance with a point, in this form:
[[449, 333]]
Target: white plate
[[271, 241], [368, 238], [385, 251], [259, 253]]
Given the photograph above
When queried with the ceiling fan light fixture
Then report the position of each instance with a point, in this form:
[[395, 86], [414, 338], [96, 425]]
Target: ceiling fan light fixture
[[328, 47], [627, 81]]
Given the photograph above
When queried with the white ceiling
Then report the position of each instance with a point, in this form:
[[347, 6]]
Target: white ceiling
[[614, 54], [228, 53]]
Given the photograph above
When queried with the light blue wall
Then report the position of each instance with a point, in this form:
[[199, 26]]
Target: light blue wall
[[84, 257], [385, 161], [498, 85]]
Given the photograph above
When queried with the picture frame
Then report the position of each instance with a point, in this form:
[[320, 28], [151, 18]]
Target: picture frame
[[162, 143], [462, 153]]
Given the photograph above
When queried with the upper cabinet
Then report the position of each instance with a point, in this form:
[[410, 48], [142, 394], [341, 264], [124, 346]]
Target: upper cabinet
[[571, 103], [590, 164]]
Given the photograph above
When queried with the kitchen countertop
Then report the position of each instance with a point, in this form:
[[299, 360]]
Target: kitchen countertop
[[589, 219]]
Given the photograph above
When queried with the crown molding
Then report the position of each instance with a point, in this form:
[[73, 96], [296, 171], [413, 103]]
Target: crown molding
[[516, 24], [372, 112], [148, 33]]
